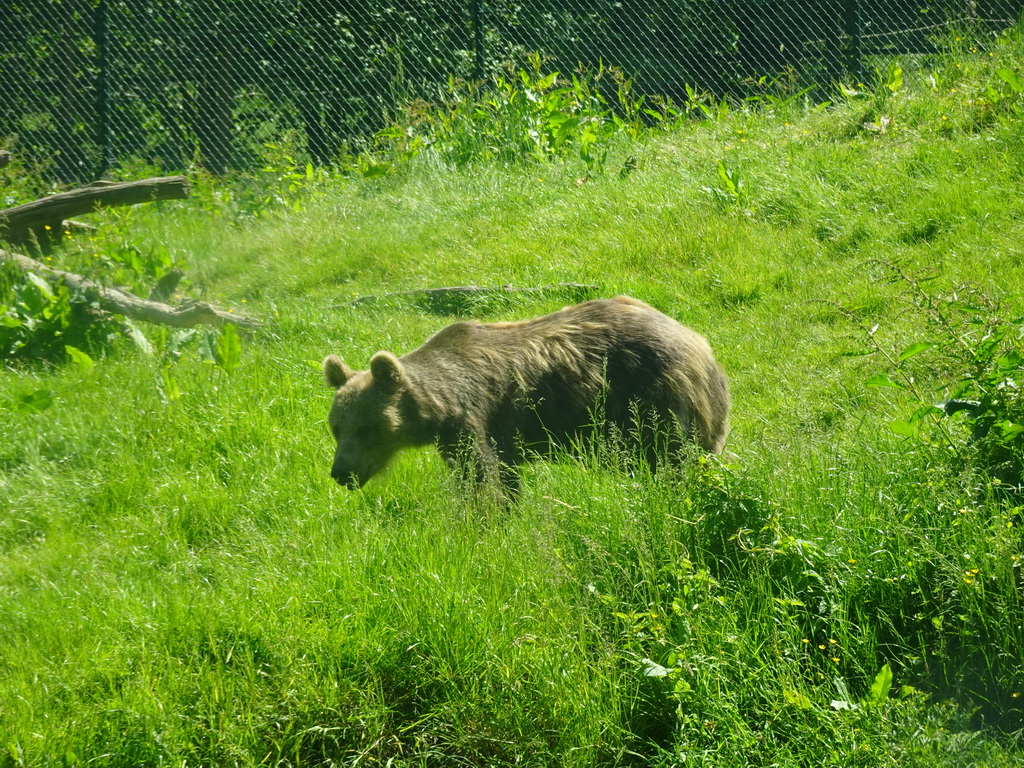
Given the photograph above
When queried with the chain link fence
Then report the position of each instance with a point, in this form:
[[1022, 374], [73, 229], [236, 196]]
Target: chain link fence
[[90, 84]]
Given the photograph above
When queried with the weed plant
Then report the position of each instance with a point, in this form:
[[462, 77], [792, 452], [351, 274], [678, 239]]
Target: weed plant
[[181, 583]]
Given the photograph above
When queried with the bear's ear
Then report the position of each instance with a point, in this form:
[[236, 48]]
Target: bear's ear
[[336, 373], [386, 369]]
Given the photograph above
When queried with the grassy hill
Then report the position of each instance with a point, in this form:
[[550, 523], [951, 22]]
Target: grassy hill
[[182, 583]]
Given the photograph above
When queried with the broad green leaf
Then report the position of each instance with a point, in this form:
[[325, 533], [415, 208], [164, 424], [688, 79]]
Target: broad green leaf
[[915, 349], [41, 285], [894, 80], [1009, 430], [208, 345], [654, 669], [879, 691], [228, 352], [727, 177], [137, 336], [169, 387], [883, 380], [904, 428], [797, 698], [176, 343], [1011, 78], [31, 402], [81, 360], [925, 410], [851, 93], [1010, 361], [858, 353], [10, 321]]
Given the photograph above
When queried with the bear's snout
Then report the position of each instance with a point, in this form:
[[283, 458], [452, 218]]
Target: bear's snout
[[347, 477]]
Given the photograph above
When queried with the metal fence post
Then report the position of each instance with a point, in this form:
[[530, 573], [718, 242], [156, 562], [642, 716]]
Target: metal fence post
[[100, 33], [478, 39], [854, 63]]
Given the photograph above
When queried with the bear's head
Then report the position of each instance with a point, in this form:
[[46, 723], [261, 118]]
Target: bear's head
[[368, 417]]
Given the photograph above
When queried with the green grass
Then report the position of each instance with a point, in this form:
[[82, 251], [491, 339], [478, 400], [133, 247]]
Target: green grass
[[181, 583]]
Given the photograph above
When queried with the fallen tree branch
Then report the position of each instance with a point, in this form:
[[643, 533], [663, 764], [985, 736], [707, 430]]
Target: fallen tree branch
[[35, 220], [123, 303], [432, 294]]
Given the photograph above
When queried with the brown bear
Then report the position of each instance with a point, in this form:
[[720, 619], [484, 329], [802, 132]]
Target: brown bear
[[491, 395]]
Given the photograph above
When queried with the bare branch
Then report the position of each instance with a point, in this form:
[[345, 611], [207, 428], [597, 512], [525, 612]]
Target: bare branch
[[123, 303]]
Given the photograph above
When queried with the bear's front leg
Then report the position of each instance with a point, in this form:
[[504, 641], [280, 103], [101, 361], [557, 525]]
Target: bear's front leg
[[475, 460]]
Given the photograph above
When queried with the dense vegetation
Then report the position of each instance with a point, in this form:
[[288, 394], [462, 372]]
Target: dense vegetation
[[181, 583]]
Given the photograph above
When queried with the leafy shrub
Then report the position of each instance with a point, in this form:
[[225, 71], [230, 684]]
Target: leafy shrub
[[39, 319], [527, 116], [974, 351]]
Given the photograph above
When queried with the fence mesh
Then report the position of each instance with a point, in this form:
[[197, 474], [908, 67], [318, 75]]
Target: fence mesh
[[90, 84]]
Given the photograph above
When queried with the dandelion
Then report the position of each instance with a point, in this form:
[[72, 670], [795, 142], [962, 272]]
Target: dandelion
[[835, 659], [852, 560], [833, 641], [821, 647], [805, 641]]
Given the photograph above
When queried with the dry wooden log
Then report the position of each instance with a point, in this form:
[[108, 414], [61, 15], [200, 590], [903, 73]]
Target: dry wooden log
[[123, 303], [32, 221], [468, 290], [71, 226]]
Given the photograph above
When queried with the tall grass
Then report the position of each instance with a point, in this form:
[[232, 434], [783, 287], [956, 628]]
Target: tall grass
[[181, 583]]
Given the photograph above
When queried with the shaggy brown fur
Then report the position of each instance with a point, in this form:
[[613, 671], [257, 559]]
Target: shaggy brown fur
[[498, 393]]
